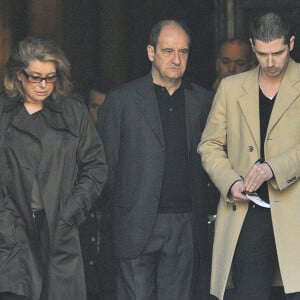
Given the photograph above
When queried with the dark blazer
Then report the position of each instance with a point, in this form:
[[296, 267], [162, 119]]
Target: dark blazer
[[130, 128]]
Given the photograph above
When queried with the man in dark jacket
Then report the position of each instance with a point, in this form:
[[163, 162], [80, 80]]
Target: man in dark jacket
[[150, 128]]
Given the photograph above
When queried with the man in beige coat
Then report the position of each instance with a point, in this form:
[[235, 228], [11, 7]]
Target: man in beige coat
[[251, 143]]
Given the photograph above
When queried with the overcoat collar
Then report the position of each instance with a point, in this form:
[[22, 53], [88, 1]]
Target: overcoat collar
[[250, 105], [192, 108], [150, 110], [12, 103], [249, 102], [288, 92], [52, 111]]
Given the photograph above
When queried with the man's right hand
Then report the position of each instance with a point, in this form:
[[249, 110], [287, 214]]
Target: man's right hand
[[237, 191]]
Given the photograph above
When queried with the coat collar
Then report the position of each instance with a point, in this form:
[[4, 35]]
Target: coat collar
[[196, 110], [56, 106], [52, 111], [249, 103], [149, 107], [288, 92], [145, 101], [10, 104]]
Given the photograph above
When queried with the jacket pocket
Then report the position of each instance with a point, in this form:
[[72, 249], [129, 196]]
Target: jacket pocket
[[7, 253], [7, 227]]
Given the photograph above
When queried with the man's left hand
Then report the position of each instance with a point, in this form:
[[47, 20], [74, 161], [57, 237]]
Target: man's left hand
[[257, 175]]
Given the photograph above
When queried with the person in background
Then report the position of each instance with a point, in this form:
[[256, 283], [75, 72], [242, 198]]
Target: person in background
[[52, 170], [250, 147], [235, 56], [95, 100], [150, 129], [96, 231]]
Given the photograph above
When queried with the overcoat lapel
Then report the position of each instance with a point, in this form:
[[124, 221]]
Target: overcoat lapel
[[53, 114], [288, 93], [191, 106], [250, 105], [24, 123], [147, 103]]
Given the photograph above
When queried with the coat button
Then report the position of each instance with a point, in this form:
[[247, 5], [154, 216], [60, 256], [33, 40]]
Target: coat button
[[292, 179], [233, 207], [250, 149]]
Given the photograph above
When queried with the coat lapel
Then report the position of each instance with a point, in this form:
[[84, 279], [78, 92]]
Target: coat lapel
[[147, 103], [288, 93], [249, 103], [25, 123], [191, 115], [52, 112]]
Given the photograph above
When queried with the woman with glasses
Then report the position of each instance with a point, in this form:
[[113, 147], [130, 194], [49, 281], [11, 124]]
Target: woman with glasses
[[52, 169]]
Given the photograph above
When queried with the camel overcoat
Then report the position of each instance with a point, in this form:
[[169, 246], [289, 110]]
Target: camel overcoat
[[230, 145]]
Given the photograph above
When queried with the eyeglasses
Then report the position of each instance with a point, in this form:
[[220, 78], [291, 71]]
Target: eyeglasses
[[38, 79]]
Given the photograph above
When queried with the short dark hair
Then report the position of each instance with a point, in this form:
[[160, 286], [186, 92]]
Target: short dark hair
[[157, 28], [271, 26], [238, 41]]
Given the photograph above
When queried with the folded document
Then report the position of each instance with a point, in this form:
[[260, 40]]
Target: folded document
[[257, 200]]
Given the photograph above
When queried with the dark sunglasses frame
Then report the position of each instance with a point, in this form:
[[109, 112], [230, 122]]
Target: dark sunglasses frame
[[38, 79]]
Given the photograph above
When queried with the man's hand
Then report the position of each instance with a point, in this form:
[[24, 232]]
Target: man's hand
[[258, 174], [237, 190]]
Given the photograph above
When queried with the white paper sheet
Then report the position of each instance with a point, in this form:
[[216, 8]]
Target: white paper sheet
[[257, 200]]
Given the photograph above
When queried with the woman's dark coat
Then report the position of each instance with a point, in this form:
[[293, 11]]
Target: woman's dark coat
[[70, 167]]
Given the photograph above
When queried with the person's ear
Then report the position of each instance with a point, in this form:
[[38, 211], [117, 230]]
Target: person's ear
[[252, 44], [218, 64], [292, 43], [150, 52], [19, 76]]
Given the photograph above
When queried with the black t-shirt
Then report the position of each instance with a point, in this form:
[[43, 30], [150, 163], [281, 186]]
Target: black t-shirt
[[265, 109], [175, 192]]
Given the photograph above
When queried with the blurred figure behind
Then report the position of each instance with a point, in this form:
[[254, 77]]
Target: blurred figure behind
[[96, 231], [235, 56], [95, 100]]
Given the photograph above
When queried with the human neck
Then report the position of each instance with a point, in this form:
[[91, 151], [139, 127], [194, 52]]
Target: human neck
[[170, 85], [32, 107], [269, 85]]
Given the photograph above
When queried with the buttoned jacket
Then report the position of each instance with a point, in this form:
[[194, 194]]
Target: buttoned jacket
[[130, 128], [69, 165], [230, 145]]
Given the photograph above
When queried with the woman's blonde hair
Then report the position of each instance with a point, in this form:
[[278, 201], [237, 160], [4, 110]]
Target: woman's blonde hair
[[43, 50]]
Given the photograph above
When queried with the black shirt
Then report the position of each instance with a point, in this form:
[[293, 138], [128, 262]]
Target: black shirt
[[36, 195], [175, 194], [265, 110]]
